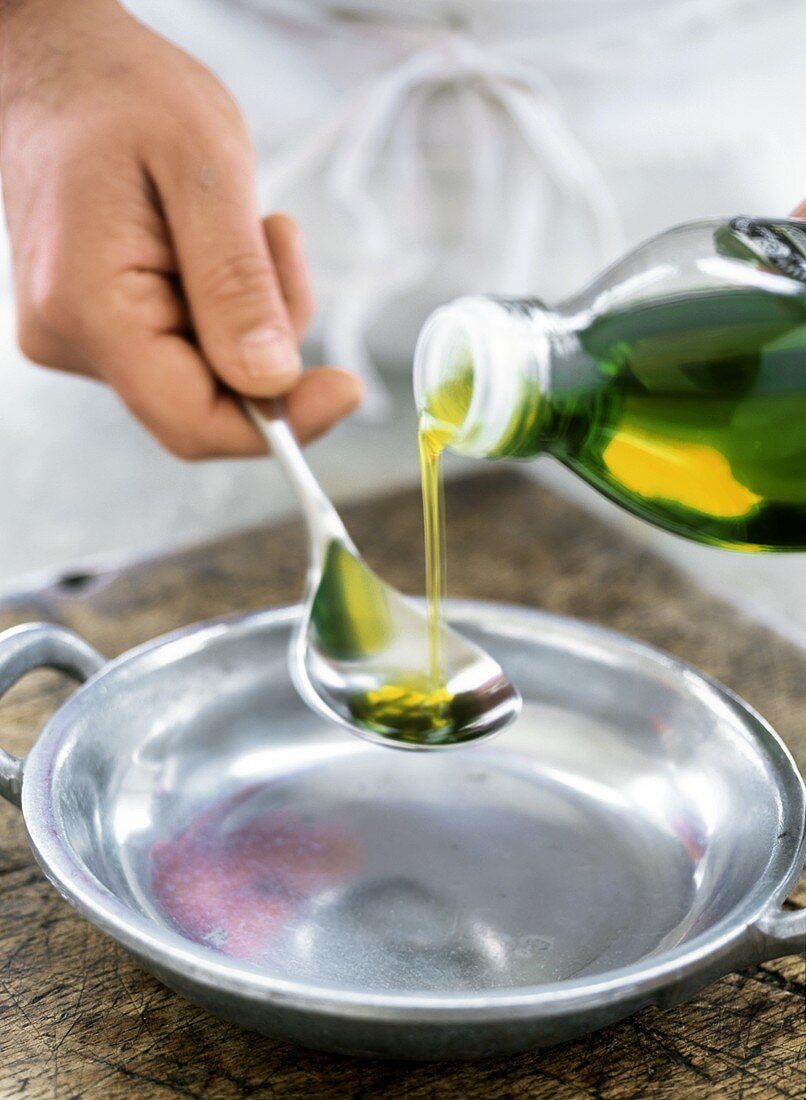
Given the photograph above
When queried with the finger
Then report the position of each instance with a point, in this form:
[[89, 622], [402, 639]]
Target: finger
[[166, 383], [233, 291], [168, 386], [285, 244], [43, 347], [322, 397], [144, 300], [800, 210]]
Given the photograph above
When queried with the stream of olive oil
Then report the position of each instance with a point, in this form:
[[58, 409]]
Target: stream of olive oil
[[415, 706], [444, 411], [430, 446]]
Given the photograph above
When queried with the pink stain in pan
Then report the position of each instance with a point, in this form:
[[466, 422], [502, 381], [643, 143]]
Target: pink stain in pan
[[232, 877]]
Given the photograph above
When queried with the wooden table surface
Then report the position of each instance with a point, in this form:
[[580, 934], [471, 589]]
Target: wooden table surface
[[79, 1019]]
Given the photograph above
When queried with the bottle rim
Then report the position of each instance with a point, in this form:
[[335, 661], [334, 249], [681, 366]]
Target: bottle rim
[[498, 339]]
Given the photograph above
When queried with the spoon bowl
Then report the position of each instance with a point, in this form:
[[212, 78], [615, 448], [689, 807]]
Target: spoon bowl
[[359, 655]]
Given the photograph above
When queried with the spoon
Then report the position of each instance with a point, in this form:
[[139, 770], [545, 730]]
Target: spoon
[[359, 653]]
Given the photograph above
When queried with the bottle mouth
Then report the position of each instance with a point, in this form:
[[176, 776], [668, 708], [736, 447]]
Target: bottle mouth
[[470, 363]]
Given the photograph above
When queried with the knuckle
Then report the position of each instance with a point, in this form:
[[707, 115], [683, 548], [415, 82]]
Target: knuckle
[[217, 96], [215, 143], [224, 117], [241, 276], [32, 342], [50, 305]]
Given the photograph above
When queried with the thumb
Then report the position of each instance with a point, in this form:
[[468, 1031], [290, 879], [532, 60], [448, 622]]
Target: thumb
[[233, 291]]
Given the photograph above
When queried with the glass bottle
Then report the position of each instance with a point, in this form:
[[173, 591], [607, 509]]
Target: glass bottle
[[675, 383]]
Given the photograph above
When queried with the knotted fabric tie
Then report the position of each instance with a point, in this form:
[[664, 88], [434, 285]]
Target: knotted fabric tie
[[379, 127]]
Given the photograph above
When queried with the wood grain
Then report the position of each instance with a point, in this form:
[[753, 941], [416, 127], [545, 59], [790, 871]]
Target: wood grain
[[79, 1019]]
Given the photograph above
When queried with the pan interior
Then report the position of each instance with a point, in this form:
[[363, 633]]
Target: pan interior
[[608, 824]]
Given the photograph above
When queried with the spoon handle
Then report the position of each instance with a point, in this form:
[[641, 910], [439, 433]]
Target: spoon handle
[[323, 521]]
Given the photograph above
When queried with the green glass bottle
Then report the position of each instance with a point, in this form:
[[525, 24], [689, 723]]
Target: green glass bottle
[[675, 383]]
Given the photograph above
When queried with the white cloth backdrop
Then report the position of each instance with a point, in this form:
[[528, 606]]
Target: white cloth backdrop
[[429, 149], [436, 148]]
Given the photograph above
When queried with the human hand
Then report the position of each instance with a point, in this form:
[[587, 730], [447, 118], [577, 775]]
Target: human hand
[[139, 255]]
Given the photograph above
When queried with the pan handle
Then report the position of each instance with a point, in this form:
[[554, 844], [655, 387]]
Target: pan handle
[[38, 645], [783, 932]]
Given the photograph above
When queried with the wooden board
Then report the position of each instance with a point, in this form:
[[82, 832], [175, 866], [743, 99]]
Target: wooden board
[[79, 1019]]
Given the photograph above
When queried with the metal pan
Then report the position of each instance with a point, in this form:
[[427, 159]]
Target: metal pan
[[628, 840]]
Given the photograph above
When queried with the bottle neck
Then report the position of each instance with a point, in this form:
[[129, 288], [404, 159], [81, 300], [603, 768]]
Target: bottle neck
[[481, 371]]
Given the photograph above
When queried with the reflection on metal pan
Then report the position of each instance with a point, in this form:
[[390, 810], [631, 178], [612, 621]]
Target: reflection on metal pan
[[597, 857]]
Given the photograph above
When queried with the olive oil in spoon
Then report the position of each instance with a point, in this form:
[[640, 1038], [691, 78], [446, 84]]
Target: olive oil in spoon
[[368, 657]]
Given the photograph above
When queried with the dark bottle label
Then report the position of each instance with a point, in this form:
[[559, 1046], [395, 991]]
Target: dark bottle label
[[779, 245]]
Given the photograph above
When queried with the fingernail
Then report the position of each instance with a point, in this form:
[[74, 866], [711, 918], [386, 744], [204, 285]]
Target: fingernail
[[268, 352]]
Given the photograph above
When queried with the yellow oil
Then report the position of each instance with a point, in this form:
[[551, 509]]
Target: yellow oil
[[431, 447], [351, 621], [444, 411], [415, 706], [409, 710]]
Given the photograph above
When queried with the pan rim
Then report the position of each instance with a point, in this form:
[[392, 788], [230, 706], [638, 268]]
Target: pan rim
[[157, 946]]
